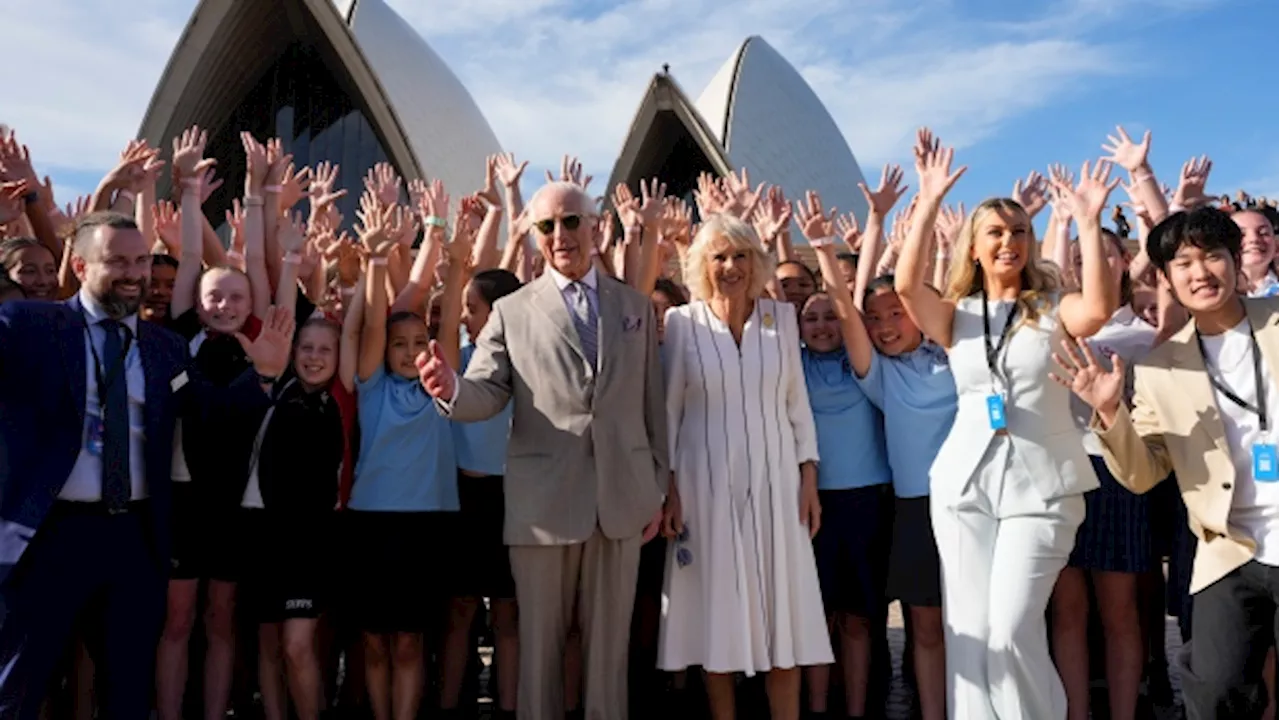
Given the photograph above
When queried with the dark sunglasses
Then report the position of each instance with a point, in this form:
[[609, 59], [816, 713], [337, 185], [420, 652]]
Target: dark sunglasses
[[570, 222]]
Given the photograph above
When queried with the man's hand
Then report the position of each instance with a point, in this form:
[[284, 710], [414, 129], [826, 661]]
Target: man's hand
[[652, 528], [437, 378], [1100, 389]]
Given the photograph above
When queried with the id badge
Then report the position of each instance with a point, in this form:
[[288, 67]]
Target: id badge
[[93, 436], [1265, 458], [995, 411]]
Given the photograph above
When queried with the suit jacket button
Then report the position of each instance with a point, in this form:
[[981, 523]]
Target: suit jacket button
[[1226, 486]]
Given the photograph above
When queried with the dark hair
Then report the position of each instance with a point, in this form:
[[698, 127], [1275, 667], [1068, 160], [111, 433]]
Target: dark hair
[[9, 287], [674, 293], [86, 226], [10, 248], [1207, 228], [400, 316], [884, 282], [159, 259], [495, 284], [847, 257], [800, 265]]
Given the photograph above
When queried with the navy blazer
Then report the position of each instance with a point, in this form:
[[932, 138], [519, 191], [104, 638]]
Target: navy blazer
[[42, 415]]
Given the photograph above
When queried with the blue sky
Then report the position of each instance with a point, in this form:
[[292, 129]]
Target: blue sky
[[1015, 86]]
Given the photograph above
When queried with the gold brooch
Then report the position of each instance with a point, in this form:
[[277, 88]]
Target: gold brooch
[[768, 320]]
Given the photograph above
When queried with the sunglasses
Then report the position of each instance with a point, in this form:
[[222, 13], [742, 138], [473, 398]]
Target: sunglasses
[[570, 222]]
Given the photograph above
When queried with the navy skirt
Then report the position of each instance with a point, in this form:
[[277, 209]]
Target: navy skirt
[[1116, 533]]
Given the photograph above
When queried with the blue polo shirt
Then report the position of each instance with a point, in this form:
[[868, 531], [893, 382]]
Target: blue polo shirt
[[482, 446], [917, 395], [406, 449], [850, 429]]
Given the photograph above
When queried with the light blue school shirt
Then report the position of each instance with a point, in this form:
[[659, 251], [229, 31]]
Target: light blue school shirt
[[406, 449], [482, 446], [917, 395], [850, 430]]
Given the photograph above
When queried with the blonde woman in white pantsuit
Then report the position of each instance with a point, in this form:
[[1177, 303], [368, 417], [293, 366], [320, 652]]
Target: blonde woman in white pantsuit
[[1007, 485]]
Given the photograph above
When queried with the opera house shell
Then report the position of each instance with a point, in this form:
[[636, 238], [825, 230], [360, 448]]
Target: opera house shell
[[756, 113], [350, 83]]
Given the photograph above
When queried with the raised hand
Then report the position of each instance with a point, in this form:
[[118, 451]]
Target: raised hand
[[627, 206], [571, 171], [1123, 151], [677, 221], [437, 378], [926, 143], [209, 183], [1087, 200], [378, 229], [383, 182], [15, 161], [649, 208], [279, 162], [292, 233], [458, 250], [934, 169], [818, 228], [1101, 389], [490, 192], [188, 155], [772, 215], [434, 201], [12, 205], [168, 224], [256, 164], [508, 171], [947, 227], [1195, 174], [742, 199], [321, 190], [269, 352], [1034, 195], [850, 233], [887, 195]]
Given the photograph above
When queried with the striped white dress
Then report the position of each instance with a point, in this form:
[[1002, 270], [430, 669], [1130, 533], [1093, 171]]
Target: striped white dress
[[741, 588]]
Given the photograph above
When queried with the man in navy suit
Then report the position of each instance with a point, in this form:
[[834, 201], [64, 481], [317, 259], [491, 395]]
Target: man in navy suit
[[88, 400]]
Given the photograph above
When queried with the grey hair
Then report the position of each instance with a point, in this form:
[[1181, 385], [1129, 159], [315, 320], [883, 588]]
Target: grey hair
[[585, 201]]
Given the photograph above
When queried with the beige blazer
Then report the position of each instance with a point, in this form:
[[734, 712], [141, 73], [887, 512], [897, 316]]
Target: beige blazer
[[1175, 426], [588, 447]]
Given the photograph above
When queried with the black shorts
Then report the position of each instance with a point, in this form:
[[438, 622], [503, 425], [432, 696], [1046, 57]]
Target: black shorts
[[286, 565], [915, 573], [400, 565], [851, 549], [206, 539], [484, 563]]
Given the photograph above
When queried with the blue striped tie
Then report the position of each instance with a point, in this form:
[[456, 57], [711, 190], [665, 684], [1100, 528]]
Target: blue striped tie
[[584, 319]]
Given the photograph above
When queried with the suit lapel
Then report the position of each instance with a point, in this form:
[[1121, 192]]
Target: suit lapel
[[1191, 383], [71, 337], [608, 323], [155, 381], [551, 303]]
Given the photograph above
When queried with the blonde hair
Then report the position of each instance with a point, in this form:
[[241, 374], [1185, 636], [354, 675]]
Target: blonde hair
[[1039, 279], [740, 236]]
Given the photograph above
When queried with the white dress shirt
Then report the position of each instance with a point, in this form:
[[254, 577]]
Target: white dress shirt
[[84, 484]]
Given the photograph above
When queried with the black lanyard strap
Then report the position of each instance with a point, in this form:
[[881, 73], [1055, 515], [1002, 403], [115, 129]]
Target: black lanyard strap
[[1260, 390], [993, 353], [105, 381]]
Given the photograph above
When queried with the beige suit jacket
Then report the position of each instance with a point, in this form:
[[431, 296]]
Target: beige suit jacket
[[1175, 425], [588, 446]]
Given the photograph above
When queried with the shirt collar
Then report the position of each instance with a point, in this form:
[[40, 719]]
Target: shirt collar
[[95, 314], [563, 282]]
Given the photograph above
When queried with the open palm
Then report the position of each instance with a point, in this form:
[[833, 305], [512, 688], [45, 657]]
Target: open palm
[[1101, 389]]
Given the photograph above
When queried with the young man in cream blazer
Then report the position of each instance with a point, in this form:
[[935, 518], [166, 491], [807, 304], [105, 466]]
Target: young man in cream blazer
[[1205, 407]]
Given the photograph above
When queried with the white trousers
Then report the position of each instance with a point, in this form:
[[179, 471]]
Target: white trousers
[[1002, 546]]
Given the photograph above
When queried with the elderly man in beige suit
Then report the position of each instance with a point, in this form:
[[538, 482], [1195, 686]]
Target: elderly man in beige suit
[[577, 353], [1204, 408]]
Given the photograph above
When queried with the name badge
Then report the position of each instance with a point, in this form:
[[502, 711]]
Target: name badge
[[93, 437], [995, 412], [1265, 458]]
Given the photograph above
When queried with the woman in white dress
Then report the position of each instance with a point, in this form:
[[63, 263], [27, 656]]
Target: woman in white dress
[[741, 589], [1007, 486]]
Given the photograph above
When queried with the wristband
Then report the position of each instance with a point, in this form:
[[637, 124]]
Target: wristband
[[274, 189], [126, 194], [253, 201], [292, 258], [1141, 175], [234, 255], [822, 242], [1175, 207], [347, 291], [378, 262], [190, 184], [434, 221]]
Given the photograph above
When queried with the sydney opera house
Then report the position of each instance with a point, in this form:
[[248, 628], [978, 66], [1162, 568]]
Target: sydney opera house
[[349, 81]]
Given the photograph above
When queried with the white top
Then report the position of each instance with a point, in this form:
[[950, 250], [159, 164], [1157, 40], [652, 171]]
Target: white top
[[1128, 336], [84, 484], [1254, 512]]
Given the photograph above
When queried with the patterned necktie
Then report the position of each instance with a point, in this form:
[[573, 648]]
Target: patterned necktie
[[584, 319], [115, 418]]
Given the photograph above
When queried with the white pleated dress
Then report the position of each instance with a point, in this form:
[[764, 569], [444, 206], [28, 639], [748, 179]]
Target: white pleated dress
[[741, 587]]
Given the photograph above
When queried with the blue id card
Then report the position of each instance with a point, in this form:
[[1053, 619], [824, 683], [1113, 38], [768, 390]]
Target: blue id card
[[995, 411], [93, 435], [1265, 458]]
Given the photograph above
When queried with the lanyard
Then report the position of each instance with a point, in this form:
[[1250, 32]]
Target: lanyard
[[1261, 409], [117, 372], [993, 353]]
